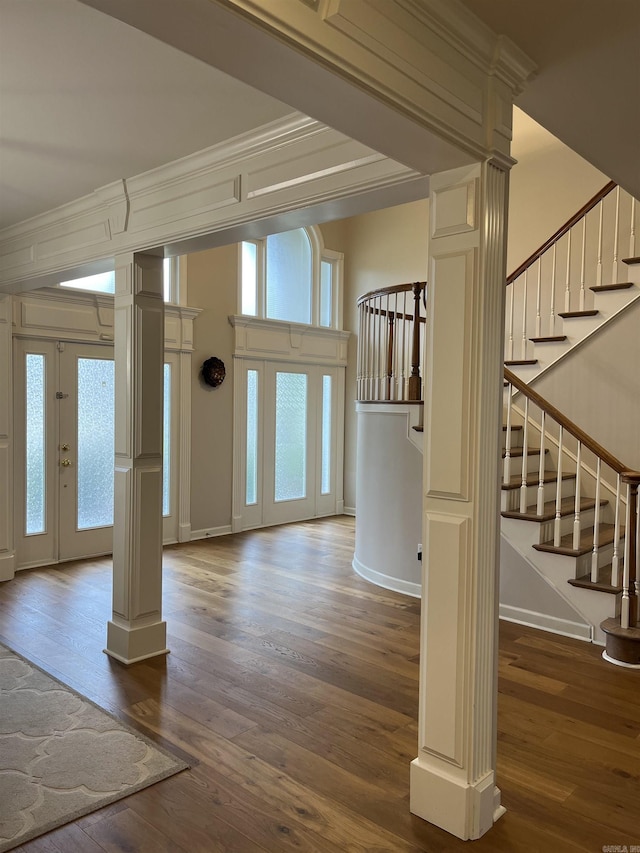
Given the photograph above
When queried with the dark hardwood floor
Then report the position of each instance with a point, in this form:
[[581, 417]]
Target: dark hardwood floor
[[292, 690]]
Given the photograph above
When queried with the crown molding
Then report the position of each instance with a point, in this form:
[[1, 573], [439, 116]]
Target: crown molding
[[291, 164]]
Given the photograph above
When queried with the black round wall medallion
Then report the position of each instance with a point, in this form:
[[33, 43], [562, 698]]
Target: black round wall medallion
[[213, 371]]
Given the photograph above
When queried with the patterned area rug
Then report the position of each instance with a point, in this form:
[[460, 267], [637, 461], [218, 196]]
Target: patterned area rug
[[61, 757]]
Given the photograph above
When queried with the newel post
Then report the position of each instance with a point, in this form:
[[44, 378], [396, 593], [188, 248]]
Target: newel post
[[415, 382]]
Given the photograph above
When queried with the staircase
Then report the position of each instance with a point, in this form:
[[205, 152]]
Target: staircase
[[569, 507]]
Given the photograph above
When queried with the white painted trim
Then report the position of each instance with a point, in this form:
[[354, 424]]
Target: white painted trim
[[7, 566], [252, 177], [349, 510], [570, 347], [385, 581], [211, 532], [546, 623], [620, 662]]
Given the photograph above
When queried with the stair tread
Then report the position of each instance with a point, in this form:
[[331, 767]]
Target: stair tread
[[601, 585], [568, 315], [533, 479], [418, 428], [516, 452], [513, 427], [586, 541], [635, 260], [567, 507], [549, 339], [521, 362], [602, 288]]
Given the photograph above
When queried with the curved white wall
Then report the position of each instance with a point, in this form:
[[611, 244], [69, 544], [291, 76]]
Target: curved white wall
[[389, 496]]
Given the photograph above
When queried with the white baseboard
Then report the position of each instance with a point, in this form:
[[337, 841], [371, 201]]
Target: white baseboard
[[349, 510], [210, 532], [532, 619], [7, 566], [386, 581]]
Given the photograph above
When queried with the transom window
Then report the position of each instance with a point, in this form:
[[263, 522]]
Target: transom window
[[291, 277], [105, 282]]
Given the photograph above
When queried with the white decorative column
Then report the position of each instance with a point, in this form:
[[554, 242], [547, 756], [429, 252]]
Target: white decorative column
[[136, 630], [453, 777], [7, 553]]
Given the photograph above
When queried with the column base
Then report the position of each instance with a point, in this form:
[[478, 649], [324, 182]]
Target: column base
[[131, 645], [462, 809], [7, 566]]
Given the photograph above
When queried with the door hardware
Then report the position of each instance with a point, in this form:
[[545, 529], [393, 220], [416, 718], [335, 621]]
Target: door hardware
[[65, 463], [64, 447]]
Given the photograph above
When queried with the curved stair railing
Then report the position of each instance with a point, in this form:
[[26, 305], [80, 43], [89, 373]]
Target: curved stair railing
[[390, 340], [560, 476], [584, 257]]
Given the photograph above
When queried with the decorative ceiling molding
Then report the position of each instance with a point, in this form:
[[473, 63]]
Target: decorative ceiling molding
[[291, 164]]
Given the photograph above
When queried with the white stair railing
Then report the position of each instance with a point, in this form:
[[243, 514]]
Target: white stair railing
[[589, 527], [583, 254]]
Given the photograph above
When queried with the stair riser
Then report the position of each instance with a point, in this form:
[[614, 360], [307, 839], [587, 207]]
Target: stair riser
[[511, 497], [532, 464], [516, 439], [547, 529]]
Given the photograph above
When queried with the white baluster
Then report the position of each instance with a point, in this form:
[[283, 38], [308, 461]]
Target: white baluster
[[360, 360], [540, 501], [625, 603], [567, 287], [524, 316], [552, 316], [538, 298], [506, 472], [557, 529], [525, 448], [511, 308], [615, 560], [614, 274], [403, 395], [583, 262], [576, 515], [632, 230], [599, 267], [596, 528]]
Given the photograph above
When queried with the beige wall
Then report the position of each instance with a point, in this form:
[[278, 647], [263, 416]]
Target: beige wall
[[211, 285], [549, 183], [382, 248]]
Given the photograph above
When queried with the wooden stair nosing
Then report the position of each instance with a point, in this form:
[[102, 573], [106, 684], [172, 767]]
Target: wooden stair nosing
[[566, 549], [521, 362], [630, 261], [549, 339], [533, 479], [602, 585], [574, 315], [567, 507], [516, 452], [603, 288]]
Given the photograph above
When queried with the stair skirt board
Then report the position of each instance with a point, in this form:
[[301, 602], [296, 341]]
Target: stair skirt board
[[386, 581], [546, 623]]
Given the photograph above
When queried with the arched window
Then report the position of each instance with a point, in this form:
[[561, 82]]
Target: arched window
[[291, 276]]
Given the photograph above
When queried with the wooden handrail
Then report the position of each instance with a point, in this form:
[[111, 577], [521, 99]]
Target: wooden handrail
[[395, 288], [589, 442], [562, 231]]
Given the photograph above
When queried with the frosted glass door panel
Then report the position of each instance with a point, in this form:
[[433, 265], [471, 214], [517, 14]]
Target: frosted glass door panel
[[166, 442], [95, 442], [35, 517], [325, 465], [251, 485], [291, 436]]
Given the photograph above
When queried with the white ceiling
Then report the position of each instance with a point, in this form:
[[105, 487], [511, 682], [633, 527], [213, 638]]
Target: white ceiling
[[587, 90], [86, 99]]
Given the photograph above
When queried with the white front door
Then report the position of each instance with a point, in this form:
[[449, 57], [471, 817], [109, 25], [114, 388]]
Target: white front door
[[85, 450], [64, 405], [289, 419]]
